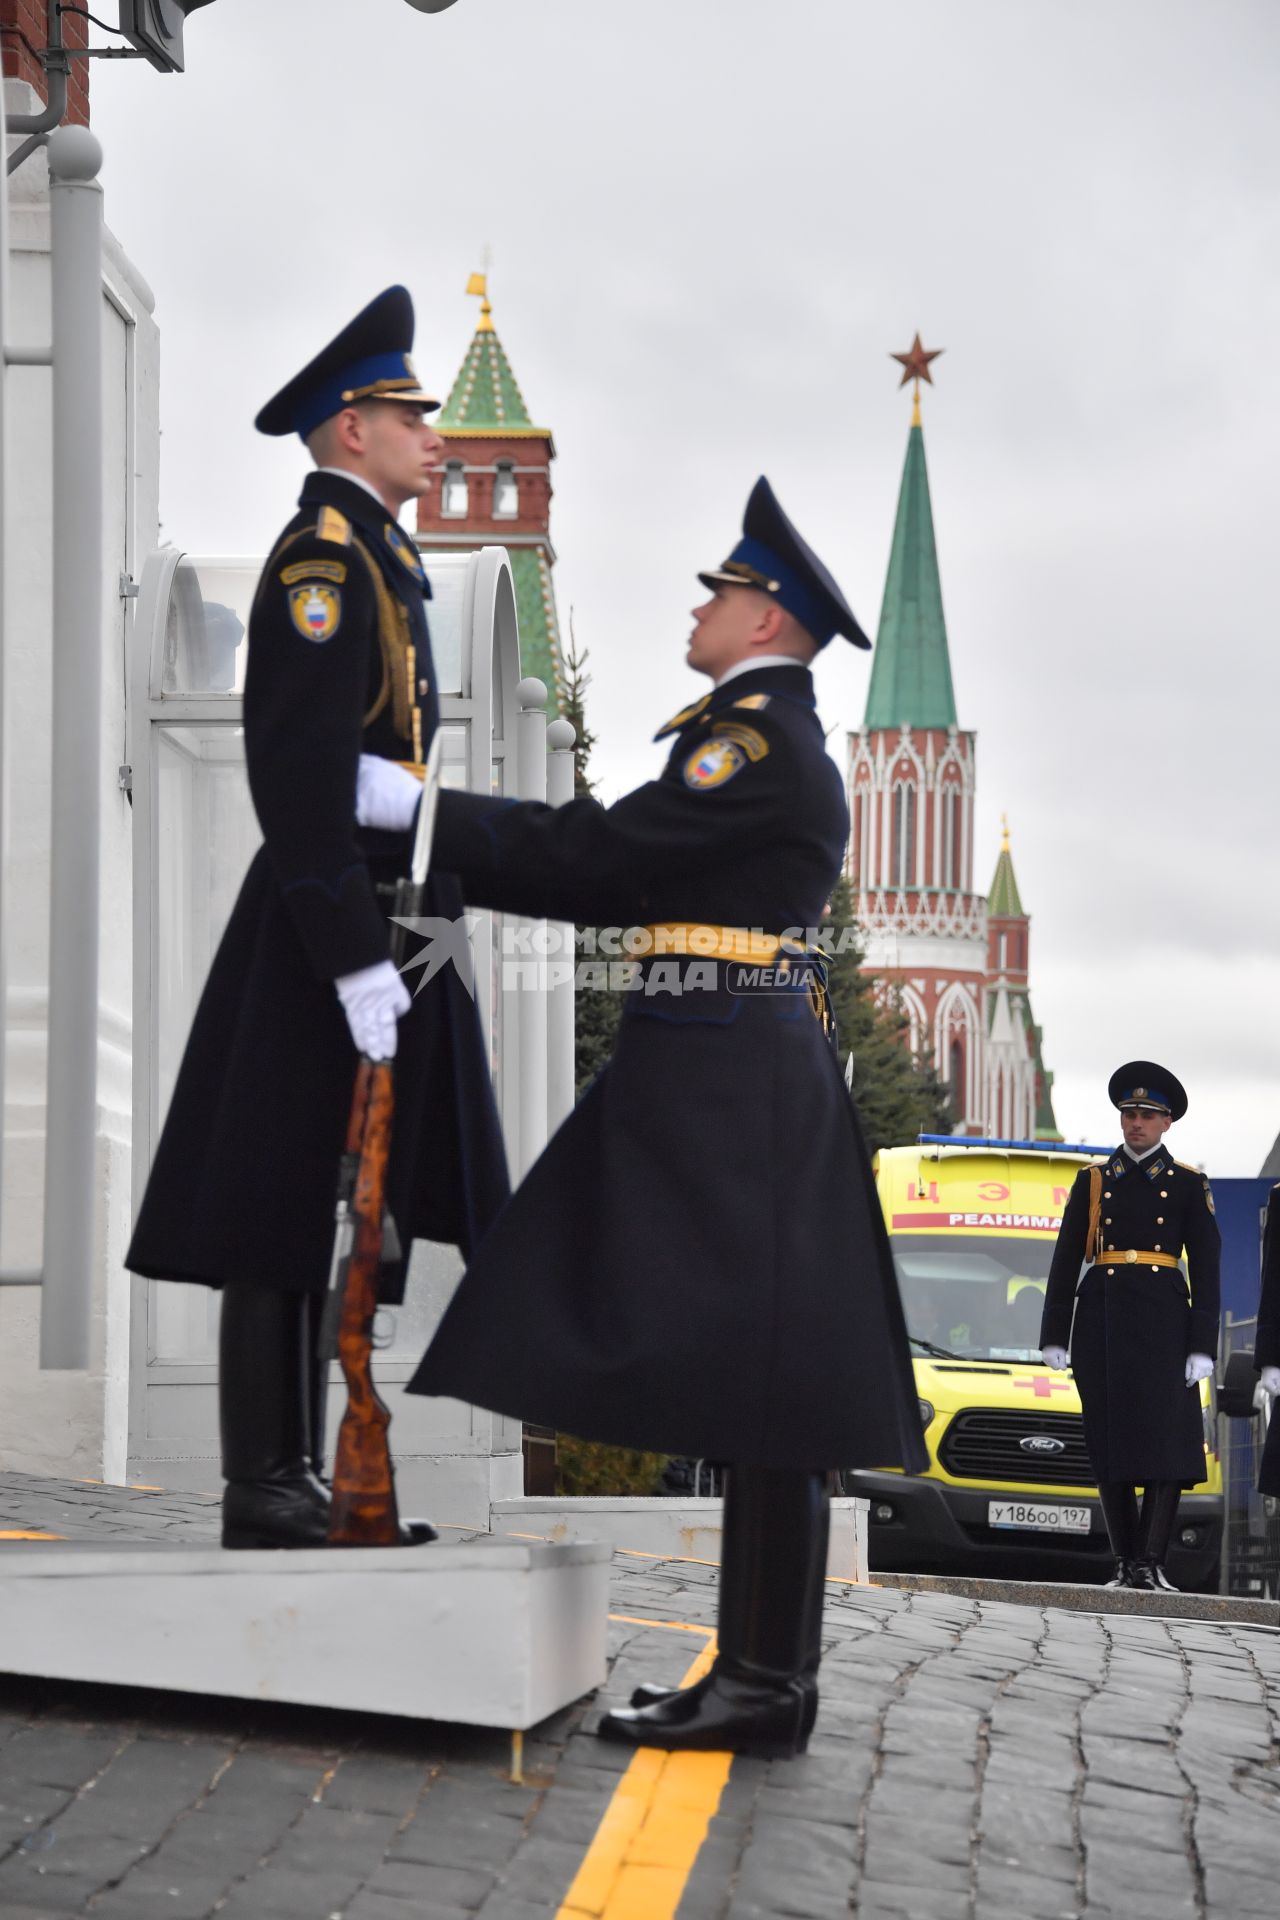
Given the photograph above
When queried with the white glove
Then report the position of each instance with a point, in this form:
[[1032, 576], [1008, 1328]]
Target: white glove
[[1271, 1379], [373, 999], [387, 795], [1199, 1367], [1055, 1357]]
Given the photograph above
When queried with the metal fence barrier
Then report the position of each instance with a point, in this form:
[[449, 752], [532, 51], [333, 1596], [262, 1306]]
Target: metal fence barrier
[[1251, 1528]]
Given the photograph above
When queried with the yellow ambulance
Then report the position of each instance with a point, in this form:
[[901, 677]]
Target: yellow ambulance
[[1007, 1491]]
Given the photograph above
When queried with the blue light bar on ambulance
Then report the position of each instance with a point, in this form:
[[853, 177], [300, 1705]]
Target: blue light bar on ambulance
[[1005, 1146]]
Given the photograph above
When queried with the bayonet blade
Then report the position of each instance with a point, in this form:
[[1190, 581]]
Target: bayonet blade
[[426, 813]]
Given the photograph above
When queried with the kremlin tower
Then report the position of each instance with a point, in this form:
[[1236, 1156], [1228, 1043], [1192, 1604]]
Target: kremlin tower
[[958, 961], [494, 489]]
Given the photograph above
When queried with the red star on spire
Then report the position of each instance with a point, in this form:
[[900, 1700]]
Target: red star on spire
[[915, 362]]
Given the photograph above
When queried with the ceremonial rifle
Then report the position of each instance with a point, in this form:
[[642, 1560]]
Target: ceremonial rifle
[[364, 1511]]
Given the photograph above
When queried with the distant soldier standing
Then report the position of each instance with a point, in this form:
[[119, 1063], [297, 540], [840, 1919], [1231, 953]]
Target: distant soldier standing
[[1144, 1333], [1266, 1347]]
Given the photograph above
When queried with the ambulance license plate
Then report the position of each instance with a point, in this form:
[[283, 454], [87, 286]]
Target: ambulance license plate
[[1037, 1516]]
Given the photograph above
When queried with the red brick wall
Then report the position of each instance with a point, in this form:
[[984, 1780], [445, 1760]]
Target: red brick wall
[[533, 489], [24, 30]]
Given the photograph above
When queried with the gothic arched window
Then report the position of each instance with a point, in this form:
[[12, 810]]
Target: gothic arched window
[[951, 837], [904, 834], [506, 496], [453, 496]]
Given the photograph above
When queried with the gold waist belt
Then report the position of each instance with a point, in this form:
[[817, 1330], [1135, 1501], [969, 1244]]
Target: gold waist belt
[[1130, 1257], [704, 942]]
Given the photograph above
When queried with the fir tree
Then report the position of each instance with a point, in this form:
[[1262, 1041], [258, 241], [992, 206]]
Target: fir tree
[[596, 1011], [897, 1097]]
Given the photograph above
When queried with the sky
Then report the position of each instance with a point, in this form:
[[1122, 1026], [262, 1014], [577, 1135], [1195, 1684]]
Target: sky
[[709, 223]]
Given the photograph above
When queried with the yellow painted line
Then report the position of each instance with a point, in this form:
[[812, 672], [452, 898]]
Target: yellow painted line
[[672, 1626], [639, 1862], [21, 1533]]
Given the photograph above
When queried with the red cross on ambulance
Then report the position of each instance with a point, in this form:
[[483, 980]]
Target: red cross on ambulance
[[1044, 1389]]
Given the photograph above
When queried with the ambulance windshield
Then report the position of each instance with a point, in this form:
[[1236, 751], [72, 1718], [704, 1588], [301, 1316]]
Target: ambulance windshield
[[975, 1298]]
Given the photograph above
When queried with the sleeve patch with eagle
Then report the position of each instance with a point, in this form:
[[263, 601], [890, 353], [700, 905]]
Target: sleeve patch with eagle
[[316, 609], [713, 764]]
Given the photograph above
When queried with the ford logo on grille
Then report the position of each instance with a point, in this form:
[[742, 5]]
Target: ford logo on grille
[[1042, 1443]]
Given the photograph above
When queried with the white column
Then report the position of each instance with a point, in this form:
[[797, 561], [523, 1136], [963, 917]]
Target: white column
[[560, 992], [531, 999]]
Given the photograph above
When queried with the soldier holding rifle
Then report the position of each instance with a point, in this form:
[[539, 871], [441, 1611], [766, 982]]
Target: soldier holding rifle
[[340, 685]]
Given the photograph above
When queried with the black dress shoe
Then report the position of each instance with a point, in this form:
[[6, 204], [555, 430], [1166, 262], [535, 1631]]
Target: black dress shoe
[[291, 1512], [732, 1715], [1149, 1577], [285, 1510], [650, 1694]]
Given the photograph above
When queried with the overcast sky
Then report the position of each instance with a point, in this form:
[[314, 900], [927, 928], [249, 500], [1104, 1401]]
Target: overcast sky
[[711, 221]]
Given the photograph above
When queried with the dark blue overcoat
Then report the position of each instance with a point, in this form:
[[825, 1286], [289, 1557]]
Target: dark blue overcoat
[[1135, 1323], [698, 1263]]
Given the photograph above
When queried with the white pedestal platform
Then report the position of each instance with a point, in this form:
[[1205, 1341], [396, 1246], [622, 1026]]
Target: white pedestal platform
[[495, 1633], [684, 1529]]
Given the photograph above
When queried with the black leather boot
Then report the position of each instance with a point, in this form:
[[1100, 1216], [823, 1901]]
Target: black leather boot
[[317, 1385], [1159, 1511], [272, 1497], [649, 1693], [271, 1393], [754, 1700], [1120, 1511]]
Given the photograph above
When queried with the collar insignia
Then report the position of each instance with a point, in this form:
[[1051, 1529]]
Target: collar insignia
[[404, 550]]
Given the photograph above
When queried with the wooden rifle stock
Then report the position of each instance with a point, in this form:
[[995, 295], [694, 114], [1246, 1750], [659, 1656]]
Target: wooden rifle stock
[[364, 1512]]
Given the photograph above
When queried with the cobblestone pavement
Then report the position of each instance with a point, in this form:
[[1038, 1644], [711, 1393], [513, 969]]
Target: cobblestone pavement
[[971, 1758]]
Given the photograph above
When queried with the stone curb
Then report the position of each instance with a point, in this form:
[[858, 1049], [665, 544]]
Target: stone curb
[[1223, 1610]]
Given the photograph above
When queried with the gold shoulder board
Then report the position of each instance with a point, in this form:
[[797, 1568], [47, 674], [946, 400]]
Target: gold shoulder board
[[333, 526], [682, 718]]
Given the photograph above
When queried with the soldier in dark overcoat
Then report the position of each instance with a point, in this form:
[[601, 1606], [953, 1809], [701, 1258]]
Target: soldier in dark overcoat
[[339, 688], [1144, 1332], [698, 1262], [1266, 1346]]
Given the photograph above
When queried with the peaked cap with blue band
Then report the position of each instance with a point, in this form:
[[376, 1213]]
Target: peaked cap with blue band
[[772, 557], [1141, 1083], [368, 360]]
